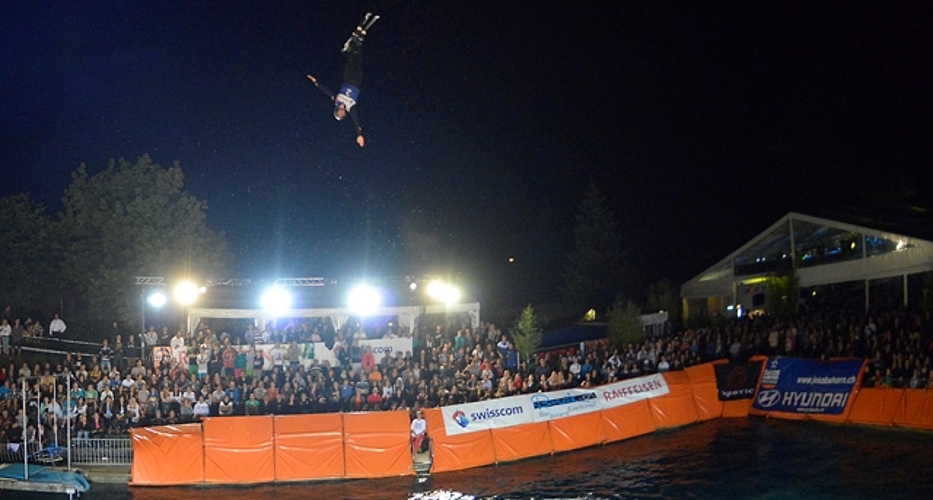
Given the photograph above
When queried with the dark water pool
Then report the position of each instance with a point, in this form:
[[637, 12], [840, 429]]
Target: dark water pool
[[729, 458]]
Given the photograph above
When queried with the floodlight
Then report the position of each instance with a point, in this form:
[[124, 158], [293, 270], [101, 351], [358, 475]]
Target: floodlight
[[413, 286], [157, 299], [443, 292], [364, 300], [434, 289], [450, 295], [276, 300], [185, 293]]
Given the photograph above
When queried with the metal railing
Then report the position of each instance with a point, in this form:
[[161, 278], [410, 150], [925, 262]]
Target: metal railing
[[97, 451], [109, 451]]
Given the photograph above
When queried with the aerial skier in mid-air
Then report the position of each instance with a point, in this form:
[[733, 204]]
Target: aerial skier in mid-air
[[346, 98]]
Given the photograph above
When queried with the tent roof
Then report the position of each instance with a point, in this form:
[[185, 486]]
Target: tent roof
[[823, 251]]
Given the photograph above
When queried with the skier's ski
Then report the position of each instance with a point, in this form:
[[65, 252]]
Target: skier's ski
[[360, 32]]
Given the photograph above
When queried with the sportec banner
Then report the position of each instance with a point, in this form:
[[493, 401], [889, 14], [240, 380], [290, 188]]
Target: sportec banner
[[630, 391], [737, 380], [483, 415], [807, 386]]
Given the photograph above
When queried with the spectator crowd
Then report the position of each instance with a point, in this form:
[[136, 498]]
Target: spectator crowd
[[122, 385]]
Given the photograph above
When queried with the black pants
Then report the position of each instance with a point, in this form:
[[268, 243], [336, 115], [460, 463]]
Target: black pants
[[353, 69]]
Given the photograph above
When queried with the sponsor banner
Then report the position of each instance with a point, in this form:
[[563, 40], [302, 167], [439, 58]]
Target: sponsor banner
[[484, 415], [309, 351], [319, 351], [388, 347], [630, 391], [807, 386], [558, 404], [737, 380], [161, 354]]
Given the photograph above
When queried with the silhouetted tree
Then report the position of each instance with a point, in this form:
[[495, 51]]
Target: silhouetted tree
[[596, 269], [132, 220], [624, 325], [663, 296], [29, 256]]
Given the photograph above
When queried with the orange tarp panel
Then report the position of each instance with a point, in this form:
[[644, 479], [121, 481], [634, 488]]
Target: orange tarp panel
[[915, 409], [677, 407], [377, 444], [736, 408], [308, 447], [239, 450], [875, 406], [461, 451], [522, 441], [167, 455], [578, 431], [705, 391], [628, 421]]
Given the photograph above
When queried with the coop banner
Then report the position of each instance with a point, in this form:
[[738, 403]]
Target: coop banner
[[807, 386], [630, 391], [484, 415], [737, 380]]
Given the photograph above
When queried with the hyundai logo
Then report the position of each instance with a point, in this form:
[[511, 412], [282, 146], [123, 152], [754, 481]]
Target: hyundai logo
[[767, 399]]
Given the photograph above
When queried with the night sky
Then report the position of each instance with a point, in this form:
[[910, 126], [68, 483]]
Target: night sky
[[702, 124]]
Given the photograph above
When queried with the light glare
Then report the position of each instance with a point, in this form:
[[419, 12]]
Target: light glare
[[364, 300], [157, 299], [185, 293], [276, 300]]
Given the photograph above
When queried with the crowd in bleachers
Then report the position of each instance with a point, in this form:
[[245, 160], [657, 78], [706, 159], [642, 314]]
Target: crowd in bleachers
[[121, 386]]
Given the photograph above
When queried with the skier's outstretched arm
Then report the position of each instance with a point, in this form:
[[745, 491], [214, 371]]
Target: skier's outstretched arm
[[321, 86], [359, 130]]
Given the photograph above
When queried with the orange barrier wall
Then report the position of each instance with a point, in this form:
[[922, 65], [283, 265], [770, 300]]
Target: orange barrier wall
[[875, 406], [624, 422], [376, 444], [915, 409], [238, 450], [677, 407], [309, 447], [578, 431], [522, 441], [178, 445], [737, 408], [243, 450], [463, 451], [705, 391]]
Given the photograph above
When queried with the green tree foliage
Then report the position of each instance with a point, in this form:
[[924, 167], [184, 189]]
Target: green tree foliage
[[596, 269], [29, 256], [663, 296], [132, 220], [783, 297], [624, 326], [526, 336]]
